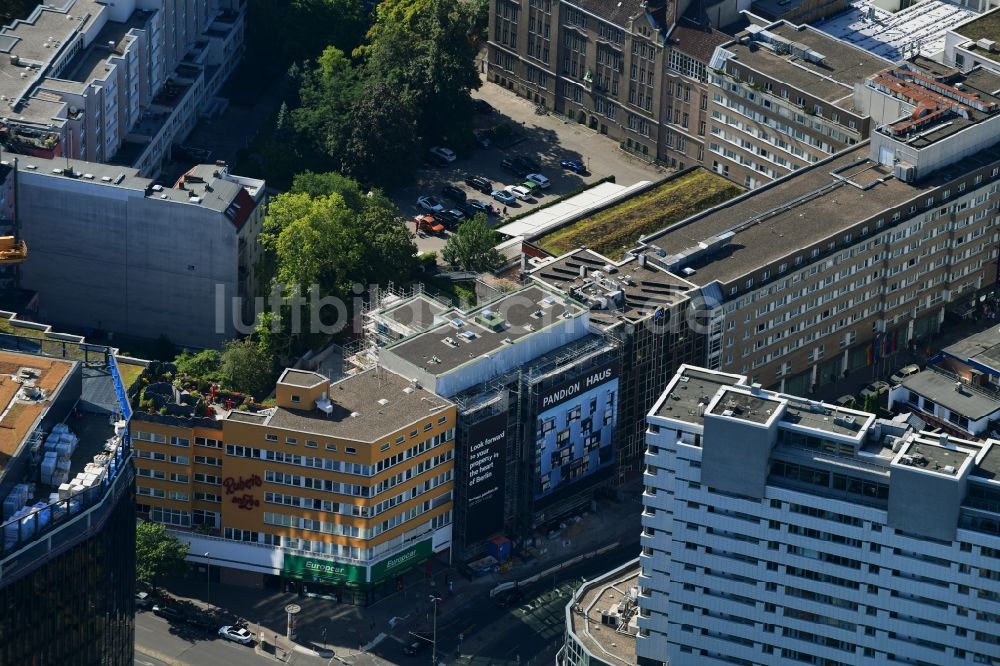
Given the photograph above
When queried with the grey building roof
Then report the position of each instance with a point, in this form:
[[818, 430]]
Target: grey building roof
[[982, 348], [791, 214], [366, 407], [303, 378], [696, 40], [831, 80], [455, 342], [692, 388], [941, 390]]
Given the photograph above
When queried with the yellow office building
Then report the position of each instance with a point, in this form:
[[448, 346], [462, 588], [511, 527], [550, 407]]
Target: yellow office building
[[343, 487]]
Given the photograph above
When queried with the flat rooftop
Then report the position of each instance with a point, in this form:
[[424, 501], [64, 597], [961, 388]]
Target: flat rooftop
[[933, 457], [983, 348], [919, 28], [940, 389], [945, 101], [644, 287], [831, 79], [19, 408], [788, 216], [987, 26], [828, 418], [693, 387], [466, 336], [417, 313], [302, 378], [358, 413], [989, 465], [601, 595], [746, 406]]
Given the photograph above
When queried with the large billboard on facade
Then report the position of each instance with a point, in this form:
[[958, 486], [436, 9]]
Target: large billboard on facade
[[486, 475], [575, 431]]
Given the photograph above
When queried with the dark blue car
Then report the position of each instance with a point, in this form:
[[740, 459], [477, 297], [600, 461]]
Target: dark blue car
[[574, 165]]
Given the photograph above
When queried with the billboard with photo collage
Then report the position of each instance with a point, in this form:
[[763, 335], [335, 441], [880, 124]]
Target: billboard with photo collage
[[575, 432]]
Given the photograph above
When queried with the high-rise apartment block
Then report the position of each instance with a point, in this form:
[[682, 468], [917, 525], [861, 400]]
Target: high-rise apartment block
[[779, 530], [67, 564], [115, 82]]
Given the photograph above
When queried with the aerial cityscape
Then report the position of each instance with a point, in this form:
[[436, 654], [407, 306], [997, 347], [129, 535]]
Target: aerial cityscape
[[500, 332]]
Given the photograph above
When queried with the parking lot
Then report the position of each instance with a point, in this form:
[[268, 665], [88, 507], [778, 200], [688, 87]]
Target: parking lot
[[547, 139]]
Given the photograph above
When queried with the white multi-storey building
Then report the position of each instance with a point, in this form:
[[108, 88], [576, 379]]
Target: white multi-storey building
[[779, 531], [114, 82]]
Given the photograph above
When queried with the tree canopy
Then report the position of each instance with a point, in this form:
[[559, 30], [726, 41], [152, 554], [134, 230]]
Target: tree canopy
[[473, 247], [157, 553], [408, 85], [247, 366]]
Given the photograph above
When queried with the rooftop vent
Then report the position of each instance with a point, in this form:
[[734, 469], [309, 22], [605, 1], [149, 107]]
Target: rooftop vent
[[949, 469], [88, 176], [355, 415], [383, 402]]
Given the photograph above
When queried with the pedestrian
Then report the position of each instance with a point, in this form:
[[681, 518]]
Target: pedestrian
[[505, 211], [451, 586]]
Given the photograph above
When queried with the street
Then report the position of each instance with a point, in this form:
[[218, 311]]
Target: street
[[528, 633], [548, 139]]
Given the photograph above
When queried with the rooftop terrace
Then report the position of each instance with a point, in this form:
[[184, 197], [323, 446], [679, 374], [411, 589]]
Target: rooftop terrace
[[367, 407]]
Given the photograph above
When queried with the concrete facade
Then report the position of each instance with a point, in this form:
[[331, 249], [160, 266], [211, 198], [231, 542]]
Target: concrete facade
[[112, 252], [871, 543]]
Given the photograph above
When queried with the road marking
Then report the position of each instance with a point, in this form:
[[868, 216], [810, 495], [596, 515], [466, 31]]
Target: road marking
[[139, 626]]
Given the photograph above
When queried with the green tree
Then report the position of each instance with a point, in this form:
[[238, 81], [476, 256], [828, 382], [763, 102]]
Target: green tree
[[248, 367], [473, 247], [296, 30], [157, 553], [331, 182], [326, 97], [203, 365], [382, 127], [426, 50]]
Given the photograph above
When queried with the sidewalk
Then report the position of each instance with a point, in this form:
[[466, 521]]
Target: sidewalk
[[350, 631]]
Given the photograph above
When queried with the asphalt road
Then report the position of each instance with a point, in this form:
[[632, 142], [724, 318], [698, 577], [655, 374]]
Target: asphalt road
[[527, 634], [173, 645], [549, 140]]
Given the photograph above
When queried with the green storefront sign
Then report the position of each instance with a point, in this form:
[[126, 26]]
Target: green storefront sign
[[322, 571], [401, 562]]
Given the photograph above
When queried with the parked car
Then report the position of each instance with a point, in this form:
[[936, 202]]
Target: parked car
[[236, 634], [575, 166], [454, 193], [904, 372], [199, 621], [503, 196], [846, 401], [474, 206], [479, 183], [875, 388], [446, 154], [167, 612], [482, 106], [143, 600], [527, 163], [481, 138], [539, 180], [430, 204], [414, 647], [511, 167], [522, 193], [451, 218], [427, 224], [532, 187]]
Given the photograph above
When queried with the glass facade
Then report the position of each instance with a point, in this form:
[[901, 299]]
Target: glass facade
[[79, 607]]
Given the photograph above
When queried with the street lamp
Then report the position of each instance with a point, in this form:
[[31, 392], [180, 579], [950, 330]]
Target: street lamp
[[434, 643], [208, 581]]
